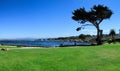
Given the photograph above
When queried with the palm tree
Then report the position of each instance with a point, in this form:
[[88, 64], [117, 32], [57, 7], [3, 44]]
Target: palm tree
[[112, 34], [95, 16]]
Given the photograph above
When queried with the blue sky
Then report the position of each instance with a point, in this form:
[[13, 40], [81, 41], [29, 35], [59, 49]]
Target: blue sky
[[50, 18]]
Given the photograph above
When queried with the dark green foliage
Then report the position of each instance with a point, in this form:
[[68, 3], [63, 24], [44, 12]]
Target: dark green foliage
[[109, 41], [112, 34], [83, 37], [95, 16]]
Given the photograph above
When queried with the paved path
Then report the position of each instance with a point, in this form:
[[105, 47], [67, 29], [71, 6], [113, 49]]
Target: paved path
[[24, 48]]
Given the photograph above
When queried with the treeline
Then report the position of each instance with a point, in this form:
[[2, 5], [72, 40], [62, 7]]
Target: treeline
[[80, 38], [83, 38]]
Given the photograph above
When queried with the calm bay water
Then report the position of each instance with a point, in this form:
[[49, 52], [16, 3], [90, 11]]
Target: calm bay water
[[42, 43]]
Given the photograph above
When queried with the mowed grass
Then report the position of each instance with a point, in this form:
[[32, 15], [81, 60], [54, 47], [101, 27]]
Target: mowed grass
[[84, 58]]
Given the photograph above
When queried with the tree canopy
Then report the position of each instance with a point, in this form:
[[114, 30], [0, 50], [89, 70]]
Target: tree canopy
[[112, 33], [95, 16]]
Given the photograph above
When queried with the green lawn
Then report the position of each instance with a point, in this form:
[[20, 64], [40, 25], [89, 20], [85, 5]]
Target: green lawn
[[85, 58]]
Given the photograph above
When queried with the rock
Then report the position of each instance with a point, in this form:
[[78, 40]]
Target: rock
[[4, 49]]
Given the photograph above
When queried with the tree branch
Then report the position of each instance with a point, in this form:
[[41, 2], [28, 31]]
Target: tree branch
[[100, 21], [86, 25]]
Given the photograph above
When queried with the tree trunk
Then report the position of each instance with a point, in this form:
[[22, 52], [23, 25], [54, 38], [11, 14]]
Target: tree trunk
[[98, 39], [113, 39]]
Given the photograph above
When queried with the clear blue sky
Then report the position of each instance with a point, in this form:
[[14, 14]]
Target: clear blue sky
[[50, 18]]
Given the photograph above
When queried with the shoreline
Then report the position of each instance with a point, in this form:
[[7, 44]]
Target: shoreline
[[26, 47]]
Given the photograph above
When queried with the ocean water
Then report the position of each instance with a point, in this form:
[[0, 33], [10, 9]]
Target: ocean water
[[42, 43]]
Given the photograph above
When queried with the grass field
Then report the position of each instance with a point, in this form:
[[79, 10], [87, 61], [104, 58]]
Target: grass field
[[84, 58]]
